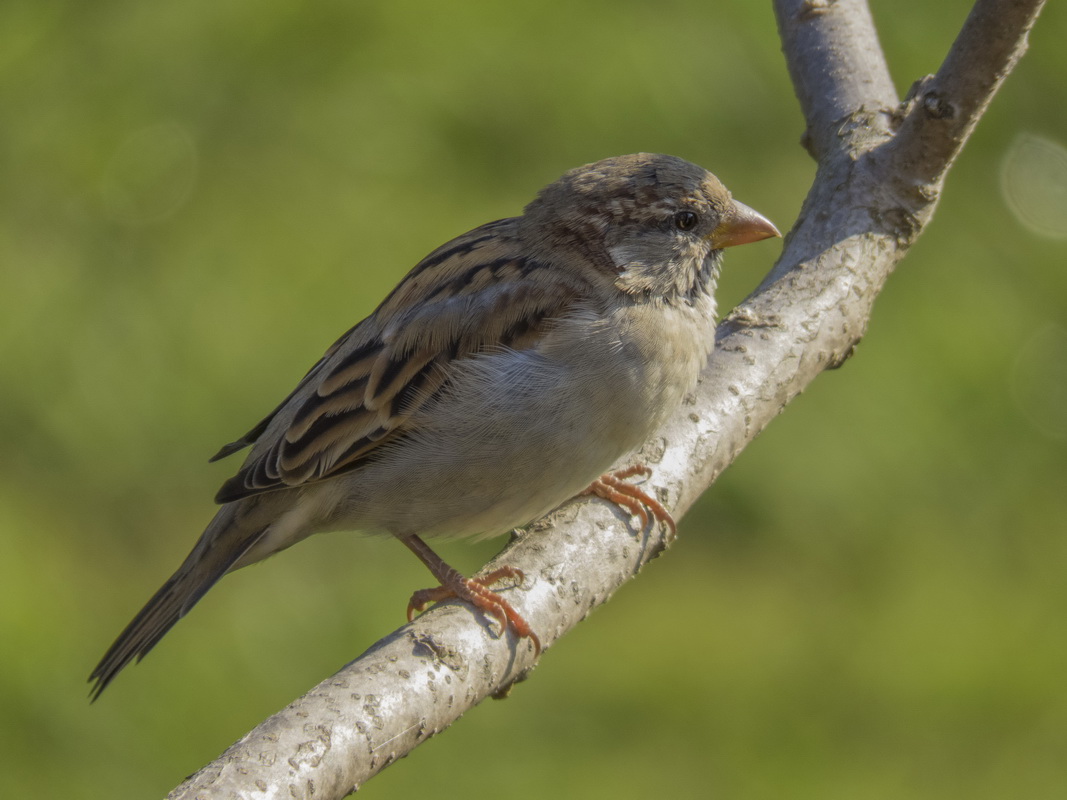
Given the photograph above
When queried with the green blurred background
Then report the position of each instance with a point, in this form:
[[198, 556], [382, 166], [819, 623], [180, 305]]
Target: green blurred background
[[198, 197]]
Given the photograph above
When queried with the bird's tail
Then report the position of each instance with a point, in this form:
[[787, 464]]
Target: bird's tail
[[219, 548]]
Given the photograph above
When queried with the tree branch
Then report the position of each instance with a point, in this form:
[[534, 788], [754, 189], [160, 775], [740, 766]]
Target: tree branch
[[859, 219], [838, 71], [942, 110]]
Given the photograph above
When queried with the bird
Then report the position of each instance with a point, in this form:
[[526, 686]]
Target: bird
[[505, 374]]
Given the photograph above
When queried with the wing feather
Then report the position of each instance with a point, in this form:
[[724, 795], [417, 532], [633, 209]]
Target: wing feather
[[475, 294]]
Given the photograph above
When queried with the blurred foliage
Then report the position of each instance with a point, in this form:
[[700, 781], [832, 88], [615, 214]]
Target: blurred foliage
[[198, 197]]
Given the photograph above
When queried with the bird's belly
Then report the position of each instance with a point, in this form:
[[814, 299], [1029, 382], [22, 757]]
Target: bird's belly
[[517, 434], [495, 465]]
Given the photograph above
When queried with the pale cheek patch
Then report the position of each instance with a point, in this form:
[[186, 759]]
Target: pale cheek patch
[[623, 256]]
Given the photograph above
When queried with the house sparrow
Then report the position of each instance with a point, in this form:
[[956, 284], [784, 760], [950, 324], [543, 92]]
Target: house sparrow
[[504, 375]]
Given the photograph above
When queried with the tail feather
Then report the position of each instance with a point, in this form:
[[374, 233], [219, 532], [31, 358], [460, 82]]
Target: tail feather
[[218, 549]]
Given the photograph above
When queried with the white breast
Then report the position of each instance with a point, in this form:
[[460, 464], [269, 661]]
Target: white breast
[[519, 432]]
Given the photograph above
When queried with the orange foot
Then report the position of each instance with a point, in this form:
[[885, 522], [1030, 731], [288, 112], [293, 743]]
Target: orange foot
[[612, 486], [475, 591]]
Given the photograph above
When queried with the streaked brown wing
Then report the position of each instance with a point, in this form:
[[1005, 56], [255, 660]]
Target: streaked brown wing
[[474, 294]]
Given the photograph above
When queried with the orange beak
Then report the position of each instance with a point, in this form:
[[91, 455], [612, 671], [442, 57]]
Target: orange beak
[[741, 225]]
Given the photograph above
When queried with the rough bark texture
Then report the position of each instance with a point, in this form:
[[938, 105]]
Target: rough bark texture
[[881, 165]]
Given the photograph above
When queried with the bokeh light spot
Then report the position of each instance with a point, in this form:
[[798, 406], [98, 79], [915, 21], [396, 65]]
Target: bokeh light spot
[[1033, 179]]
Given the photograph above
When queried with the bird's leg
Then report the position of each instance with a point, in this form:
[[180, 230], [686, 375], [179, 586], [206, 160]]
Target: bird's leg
[[612, 486], [475, 591]]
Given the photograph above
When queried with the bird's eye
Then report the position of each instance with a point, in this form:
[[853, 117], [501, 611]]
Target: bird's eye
[[685, 220]]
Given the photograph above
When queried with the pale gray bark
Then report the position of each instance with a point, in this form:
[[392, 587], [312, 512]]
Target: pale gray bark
[[881, 165]]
